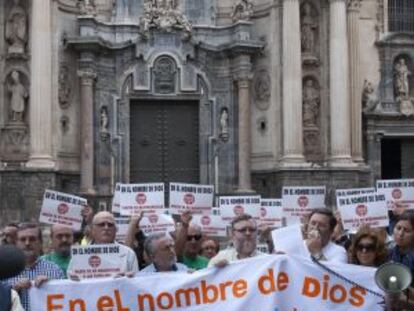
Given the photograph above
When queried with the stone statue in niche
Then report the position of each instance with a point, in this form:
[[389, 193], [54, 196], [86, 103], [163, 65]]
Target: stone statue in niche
[[164, 76], [401, 82], [311, 100], [308, 29], [18, 97], [243, 10], [64, 86], [104, 122], [224, 124], [16, 29], [163, 15]]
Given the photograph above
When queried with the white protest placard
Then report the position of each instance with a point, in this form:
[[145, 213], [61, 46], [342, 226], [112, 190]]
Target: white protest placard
[[271, 213], [97, 261], [353, 191], [62, 208], [122, 224], [156, 223], [191, 197], [398, 192], [211, 225], [232, 206], [365, 209], [116, 199], [137, 198], [289, 240], [299, 201]]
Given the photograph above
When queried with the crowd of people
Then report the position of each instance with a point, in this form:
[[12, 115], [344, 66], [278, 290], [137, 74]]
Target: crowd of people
[[188, 249]]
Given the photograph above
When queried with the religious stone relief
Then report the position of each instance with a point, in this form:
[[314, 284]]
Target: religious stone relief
[[242, 11], [163, 15], [311, 142], [64, 86], [18, 97], [224, 124], [16, 29], [87, 7], [370, 99], [104, 123], [262, 89], [311, 100], [164, 75]]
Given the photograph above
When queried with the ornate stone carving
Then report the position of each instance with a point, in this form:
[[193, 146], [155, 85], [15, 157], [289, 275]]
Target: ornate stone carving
[[311, 99], [311, 143], [16, 29], [308, 29], [104, 123], [401, 81], [224, 125], [15, 142], [242, 11], [407, 106], [18, 96], [262, 89], [369, 97], [164, 75], [64, 86], [87, 7], [165, 16]]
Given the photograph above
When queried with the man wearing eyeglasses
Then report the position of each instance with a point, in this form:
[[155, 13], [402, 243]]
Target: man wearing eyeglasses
[[103, 231], [244, 238], [188, 244]]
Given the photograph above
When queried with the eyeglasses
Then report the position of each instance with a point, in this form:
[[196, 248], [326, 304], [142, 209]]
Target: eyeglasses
[[103, 224], [196, 237], [365, 247], [244, 230]]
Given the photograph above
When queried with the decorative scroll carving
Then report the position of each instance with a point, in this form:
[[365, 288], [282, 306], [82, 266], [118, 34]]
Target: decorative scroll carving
[[163, 15], [262, 89], [242, 11], [87, 7], [16, 29], [64, 86], [164, 75]]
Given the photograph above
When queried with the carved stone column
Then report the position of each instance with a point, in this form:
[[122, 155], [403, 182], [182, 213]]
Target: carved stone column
[[292, 84], [355, 80], [243, 79], [41, 87], [339, 97], [87, 80]]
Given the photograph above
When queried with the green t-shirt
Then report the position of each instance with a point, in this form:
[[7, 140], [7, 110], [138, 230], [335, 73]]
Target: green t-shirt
[[197, 263], [61, 261]]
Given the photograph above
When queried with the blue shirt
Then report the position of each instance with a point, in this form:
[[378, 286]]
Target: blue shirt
[[405, 259], [41, 267]]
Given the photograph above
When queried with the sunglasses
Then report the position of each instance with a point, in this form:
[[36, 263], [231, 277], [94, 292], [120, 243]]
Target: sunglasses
[[244, 230], [365, 247], [196, 237], [103, 224]]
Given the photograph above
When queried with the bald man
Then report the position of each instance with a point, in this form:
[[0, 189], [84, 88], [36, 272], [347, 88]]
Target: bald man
[[103, 231]]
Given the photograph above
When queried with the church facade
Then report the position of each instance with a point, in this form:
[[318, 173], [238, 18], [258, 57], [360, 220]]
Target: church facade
[[247, 95]]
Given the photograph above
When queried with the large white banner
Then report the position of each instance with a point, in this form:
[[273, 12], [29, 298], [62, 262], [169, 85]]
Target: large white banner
[[266, 283], [357, 210], [191, 197], [62, 208], [398, 192], [299, 201], [137, 198]]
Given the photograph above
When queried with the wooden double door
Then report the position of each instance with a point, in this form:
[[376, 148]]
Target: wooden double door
[[164, 141]]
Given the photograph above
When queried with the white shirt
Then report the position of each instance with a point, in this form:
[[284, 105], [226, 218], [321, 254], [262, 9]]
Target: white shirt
[[331, 252], [230, 255]]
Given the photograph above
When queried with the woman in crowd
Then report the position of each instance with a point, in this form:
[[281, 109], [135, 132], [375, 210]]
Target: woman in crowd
[[367, 248], [209, 248]]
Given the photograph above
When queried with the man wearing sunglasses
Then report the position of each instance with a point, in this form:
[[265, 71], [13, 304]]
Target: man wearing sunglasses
[[244, 238], [103, 231], [188, 244]]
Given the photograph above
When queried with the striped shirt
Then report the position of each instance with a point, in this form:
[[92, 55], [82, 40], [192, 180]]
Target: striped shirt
[[41, 267]]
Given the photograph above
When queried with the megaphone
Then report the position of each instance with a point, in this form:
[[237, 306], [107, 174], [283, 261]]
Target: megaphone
[[393, 277], [12, 261]]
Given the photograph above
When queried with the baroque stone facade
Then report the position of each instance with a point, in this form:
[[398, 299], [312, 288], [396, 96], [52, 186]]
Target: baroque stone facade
[[272, 92]]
